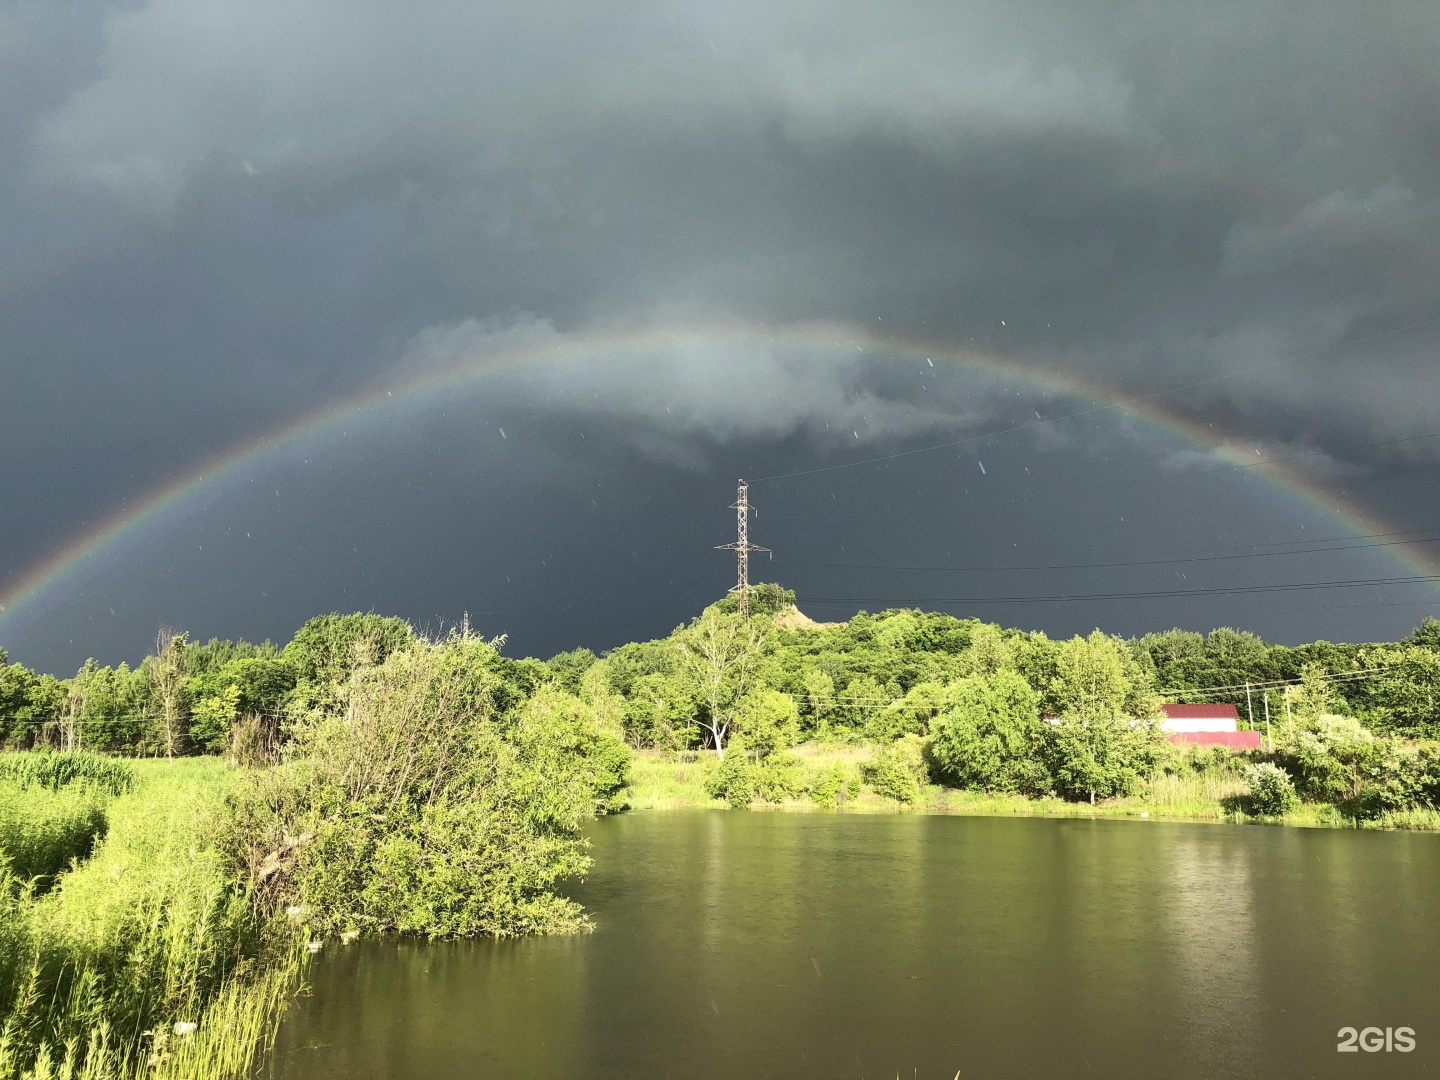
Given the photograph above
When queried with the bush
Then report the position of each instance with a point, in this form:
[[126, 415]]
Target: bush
[[43, 831], [779, 777], [1272, 792], [734, 778], [897, 771], [828, 785], [55, 769], [415, 804], [1332, 756]]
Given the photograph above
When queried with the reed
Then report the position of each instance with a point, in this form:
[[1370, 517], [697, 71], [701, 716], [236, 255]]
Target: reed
[[148, 957]]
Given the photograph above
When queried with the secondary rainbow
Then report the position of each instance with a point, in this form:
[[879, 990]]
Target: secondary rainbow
[[108, 541]]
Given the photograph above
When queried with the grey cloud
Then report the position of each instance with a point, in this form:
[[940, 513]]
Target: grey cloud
[[675, 389]]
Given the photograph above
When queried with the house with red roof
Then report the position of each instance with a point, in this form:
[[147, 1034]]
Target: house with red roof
[[1209, 725]]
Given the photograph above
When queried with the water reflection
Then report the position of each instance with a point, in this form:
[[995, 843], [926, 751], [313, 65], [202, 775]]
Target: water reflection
[[734, 945]]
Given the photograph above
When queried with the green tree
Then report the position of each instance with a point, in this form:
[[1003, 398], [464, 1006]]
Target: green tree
[[166, 672], [716, 657], [819, 699], [991, 737], [212, 717], [567, 668], [328, 647], [658, 713], [1406, 692], [768, 721]]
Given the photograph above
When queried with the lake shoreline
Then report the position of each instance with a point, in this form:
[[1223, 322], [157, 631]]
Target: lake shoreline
[[663, 781]]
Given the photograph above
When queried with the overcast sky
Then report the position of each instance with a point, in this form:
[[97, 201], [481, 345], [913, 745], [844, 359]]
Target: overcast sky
[[215, 218]]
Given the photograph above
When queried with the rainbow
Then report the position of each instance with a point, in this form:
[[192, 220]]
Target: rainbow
[[110, 539]]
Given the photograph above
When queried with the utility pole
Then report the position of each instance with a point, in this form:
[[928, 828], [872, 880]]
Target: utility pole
[[742, 548], [1268, 738], [1249, 705]]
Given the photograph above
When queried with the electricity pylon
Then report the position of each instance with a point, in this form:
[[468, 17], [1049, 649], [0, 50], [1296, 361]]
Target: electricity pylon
[[742, 548]]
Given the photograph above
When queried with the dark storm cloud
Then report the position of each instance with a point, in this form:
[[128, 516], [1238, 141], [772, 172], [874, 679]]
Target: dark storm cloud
[[1149, 193], [215, 216]]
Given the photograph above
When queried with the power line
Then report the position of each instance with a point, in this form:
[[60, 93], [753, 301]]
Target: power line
[[1101, 565], [1300, 586]]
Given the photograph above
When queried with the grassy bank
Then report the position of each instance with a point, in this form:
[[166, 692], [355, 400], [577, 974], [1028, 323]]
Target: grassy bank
[[147, 957], [663, 781]]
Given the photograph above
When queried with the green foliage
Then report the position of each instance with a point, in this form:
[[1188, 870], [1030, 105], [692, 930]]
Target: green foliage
[[779, 777], [1098, 677], [1405, 696], [567, 668], [990, 736], [766, 601], [767, 720], [42, 830], [54, 770], [212, 719], [328, 647], [733, 777], [657, 713], [1101, 757], [149, 931], [416, 804], [1331, 756], [1272, 792], [717, 656], [897, 771], [828, 786]]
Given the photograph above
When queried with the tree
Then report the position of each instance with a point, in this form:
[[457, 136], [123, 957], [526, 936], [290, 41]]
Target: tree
[[1406, 691], [991, 737], [1100, 756], [1313, 697], [768, 721], [328, 647], [658, 712], [567, 668], [819, 698], [717, 653], [1089, 678], [167, 680]]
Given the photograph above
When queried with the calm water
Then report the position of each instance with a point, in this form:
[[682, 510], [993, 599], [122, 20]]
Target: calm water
[[734, 945]]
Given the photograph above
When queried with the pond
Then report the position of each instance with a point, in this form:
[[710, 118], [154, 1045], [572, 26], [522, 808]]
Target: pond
[[735, 945]]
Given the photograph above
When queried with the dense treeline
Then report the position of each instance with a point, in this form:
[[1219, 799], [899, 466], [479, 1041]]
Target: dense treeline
[[874, 677]]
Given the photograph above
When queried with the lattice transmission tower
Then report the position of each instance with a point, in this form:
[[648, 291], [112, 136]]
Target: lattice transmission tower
[[742, 548]]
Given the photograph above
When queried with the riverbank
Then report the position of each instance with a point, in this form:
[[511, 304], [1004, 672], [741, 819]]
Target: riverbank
[[142, 955], [661, 780]]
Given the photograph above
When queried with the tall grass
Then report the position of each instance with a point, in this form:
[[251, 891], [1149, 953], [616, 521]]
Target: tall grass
[[151, 932], [43, 831], [56, 769]]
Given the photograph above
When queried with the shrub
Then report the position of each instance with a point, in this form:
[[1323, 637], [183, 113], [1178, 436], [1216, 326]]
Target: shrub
[[828, 785], [734, 778], [780, 776], [55, 769], [1332, 756], [897, 771], [415, 804], [1272, 792]]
